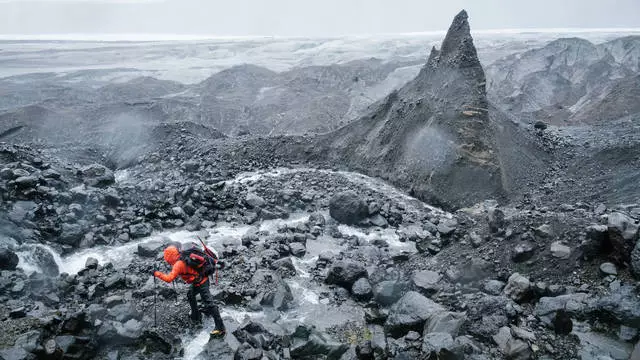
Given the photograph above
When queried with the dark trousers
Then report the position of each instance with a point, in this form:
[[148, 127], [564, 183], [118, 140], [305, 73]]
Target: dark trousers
[[209, 308]]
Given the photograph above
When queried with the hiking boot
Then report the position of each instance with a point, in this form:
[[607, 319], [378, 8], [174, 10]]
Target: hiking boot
[[217, 333]]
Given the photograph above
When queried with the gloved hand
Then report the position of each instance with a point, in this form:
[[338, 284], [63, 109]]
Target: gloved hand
[[156, 273], [221, 264]]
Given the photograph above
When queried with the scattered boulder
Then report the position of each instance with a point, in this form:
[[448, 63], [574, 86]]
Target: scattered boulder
[[445, 322], [511, 347], [140, 230], [427, 281], [150, 249], [518, 288], [434, 343], [544, 231], [560, 250], [540, 125], [523, 252], [8, 259], [254, 201], [348, 208], [362, 290], [297, 249], [386, 293], [274, 291], [91, 263], [622, 237], [345, 273], [97, 175], [411, 312], [608, 269]]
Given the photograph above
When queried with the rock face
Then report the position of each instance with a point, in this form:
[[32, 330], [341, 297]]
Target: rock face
[[348, 208], [433, 136]]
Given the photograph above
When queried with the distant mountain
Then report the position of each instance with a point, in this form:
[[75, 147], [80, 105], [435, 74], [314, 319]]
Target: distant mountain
[[566, 81]]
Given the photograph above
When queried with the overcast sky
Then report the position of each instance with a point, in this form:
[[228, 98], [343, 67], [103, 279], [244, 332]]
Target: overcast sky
[[304, 17]]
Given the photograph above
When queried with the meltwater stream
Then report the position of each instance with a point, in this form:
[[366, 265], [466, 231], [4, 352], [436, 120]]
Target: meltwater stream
[[310, 305]]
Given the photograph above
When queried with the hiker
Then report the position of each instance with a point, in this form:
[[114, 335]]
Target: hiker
[[194, 266]]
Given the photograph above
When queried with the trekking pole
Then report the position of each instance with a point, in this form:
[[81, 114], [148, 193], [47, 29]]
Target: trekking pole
[[155, 307]]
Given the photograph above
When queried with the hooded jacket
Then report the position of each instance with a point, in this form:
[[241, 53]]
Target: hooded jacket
[[179, 268]]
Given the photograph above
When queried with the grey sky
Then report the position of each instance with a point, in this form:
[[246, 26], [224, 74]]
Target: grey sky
[[304, 17]]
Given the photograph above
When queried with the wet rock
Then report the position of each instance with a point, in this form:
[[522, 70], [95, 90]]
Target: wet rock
[[273, 290], [622, 236], [494, 287], [595, 346], [315, 345], [434, 343], [560, 251], [608, 269], [348, 208], [124, 312], [474, 270], [540, 125], [386, 293], [297, 249], [623, 306], [150, 249], [518, 288], [378, 220], [375, 315], [91, 263], [362, 290], [18, 313], [29, 341], [247, 352], [71, 234], [97, 175], [411, 312], [317, 219], [285, 266], [140, 230], [26, 182], [216, 349], [544, 231], [345, 273], [115, 281], [129, 331], [511, 347], [574, 304], [254, 201], [445, 322], [523, 252], [635, 260], [8, 259], [427, 281], [627, 334], [16, 353]]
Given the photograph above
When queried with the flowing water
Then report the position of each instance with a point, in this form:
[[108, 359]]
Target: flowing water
[[310, 305]]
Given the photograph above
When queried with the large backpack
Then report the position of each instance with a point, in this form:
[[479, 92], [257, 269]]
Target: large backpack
[[199, 260]]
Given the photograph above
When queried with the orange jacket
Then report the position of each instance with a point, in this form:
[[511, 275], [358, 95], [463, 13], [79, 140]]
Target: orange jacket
[[179, 268]]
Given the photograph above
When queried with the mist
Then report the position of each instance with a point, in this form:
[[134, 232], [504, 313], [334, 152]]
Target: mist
[[303, 18]]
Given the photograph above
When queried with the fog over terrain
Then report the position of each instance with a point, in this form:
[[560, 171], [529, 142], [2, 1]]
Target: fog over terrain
[[303, 18], [377, 187]]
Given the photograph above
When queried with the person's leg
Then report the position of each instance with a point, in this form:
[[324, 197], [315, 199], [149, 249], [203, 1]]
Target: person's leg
[[210, 308], [193, 303]]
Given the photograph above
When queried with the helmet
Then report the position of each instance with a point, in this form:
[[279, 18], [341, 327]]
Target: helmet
[[171, 255]]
